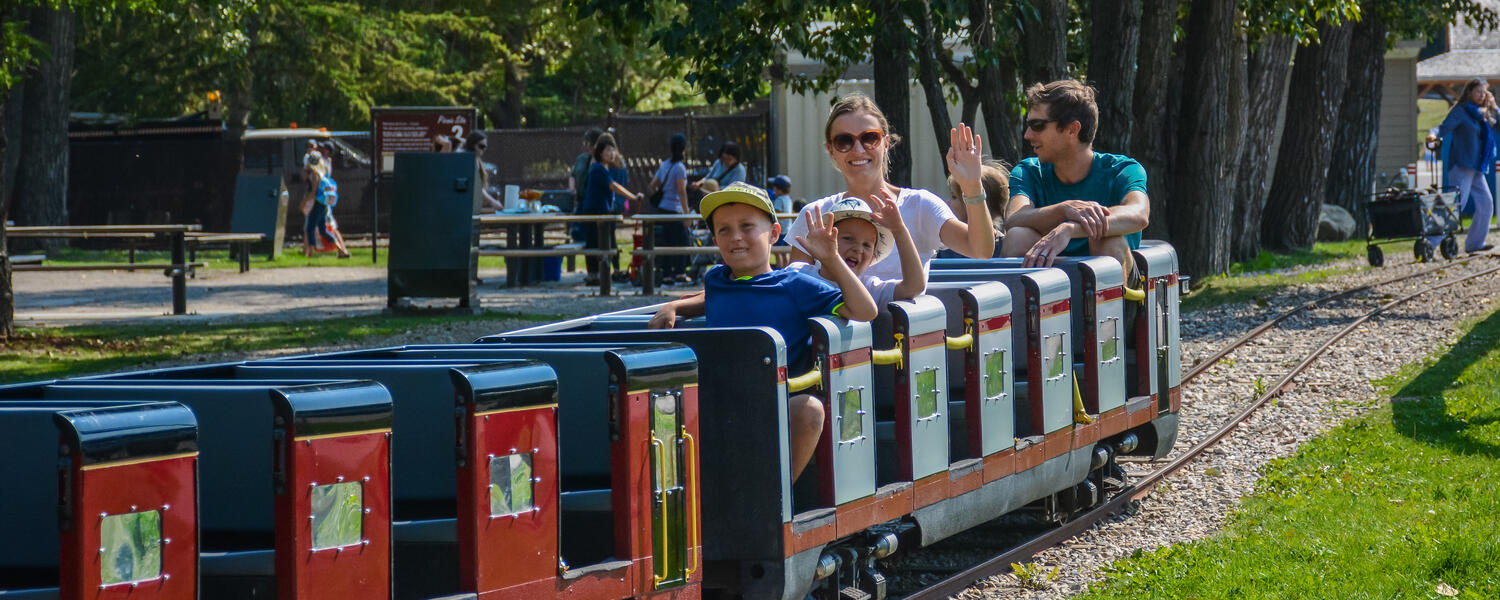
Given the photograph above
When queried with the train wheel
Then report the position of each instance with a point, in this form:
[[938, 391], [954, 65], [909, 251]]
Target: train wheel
[[1376, 256], [1422, 250], [1449, 247]]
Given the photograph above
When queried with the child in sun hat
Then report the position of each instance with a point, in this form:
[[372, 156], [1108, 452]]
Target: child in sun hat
[[746, 292]]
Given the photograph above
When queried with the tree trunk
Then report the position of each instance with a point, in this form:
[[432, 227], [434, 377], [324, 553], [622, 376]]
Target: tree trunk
[[997, 82], [931, 79], [7, 289], [1045, 36], [1153, 134], [1318, 81], [1352, 171], [1203, 182], [42, 178], [1269, 65], [1112, 51], [891, 58]]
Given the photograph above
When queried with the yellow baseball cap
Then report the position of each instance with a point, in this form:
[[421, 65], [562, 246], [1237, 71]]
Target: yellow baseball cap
[[740, 192]]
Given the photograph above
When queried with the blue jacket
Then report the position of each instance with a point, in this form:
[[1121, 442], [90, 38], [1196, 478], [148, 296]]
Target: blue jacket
[[1465, 138]]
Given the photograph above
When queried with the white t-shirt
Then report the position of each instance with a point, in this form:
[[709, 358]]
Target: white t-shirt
[[923, 213], [882, 290]]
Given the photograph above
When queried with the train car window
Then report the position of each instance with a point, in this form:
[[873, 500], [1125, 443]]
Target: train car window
[[131, 543], [1054, 353], [337, 514], [994, 374], [510, 484], [1109, 340], [851, 416], [927, 404]]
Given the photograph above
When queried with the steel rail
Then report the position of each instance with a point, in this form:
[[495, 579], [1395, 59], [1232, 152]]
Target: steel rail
[[1001, 564]]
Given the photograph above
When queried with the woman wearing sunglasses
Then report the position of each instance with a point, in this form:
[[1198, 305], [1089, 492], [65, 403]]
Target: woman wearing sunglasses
[[858, 139]]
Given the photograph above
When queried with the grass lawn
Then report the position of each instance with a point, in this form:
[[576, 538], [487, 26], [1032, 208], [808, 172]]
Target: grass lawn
[[1236, 286], [1430, 113], [45, 353], [1400, 503]]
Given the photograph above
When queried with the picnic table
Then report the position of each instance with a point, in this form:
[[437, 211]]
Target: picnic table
[[177, 237], [525, 246], [649, 250]]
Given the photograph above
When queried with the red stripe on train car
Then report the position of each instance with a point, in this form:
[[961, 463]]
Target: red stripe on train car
[[1108, 294], [1086, 434], [968, 482], [168, 485], [926, 340], [855, 516], [930, 489], [811, 538], [1176, 399], [1113, 422], [1056, 308], [999, 464], [360, 570], [1000, 322]]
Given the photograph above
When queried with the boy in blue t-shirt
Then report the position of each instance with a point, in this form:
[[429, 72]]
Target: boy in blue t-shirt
[[1069, 200], [746, 292]]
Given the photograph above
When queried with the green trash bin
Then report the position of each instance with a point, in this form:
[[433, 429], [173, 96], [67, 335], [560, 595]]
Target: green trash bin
[[260, 207], [434, 243]]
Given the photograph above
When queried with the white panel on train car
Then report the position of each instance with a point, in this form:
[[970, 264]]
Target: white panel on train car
[[992, 304], [851, 407], [1054, 333], [927, 367]]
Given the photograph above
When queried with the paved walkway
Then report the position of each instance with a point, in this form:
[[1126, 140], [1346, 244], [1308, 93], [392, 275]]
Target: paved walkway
[[70, 298]]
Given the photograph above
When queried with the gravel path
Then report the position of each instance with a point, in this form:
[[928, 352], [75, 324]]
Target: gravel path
[[1193, 504], [67, 298]]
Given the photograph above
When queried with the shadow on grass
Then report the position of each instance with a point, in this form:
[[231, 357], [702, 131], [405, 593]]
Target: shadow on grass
[[1420, 409]]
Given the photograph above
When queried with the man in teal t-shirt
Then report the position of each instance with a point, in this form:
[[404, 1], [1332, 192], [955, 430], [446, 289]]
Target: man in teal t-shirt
[[1069, 200]]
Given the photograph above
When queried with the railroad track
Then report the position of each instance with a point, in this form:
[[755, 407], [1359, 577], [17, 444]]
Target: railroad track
[[1142, 487]]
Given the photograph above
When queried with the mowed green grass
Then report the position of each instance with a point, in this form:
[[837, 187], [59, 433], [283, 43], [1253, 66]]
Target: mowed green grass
[[1401, 503], [46, 352], [1239, 285]]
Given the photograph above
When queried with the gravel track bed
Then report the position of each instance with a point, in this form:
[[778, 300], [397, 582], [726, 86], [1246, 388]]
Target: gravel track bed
[[1193, 503]]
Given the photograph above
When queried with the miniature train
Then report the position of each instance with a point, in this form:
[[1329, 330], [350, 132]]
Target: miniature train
[[595, 458]]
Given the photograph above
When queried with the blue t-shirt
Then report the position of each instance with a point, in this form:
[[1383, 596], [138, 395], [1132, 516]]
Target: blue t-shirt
[[598, 199], [782, 300], [1110, 178]]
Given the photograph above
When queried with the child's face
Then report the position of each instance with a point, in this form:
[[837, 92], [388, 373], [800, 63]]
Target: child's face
[[743, 234], [857, 239]]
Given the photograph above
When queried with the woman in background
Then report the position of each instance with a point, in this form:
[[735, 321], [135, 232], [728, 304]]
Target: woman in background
[[320, 233], [671, 179], [1471, 155]]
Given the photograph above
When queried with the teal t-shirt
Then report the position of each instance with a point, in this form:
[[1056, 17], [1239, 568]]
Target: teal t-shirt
[[1109, 179]]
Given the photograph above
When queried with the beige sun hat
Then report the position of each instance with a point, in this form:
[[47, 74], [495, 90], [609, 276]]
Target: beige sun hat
[[854, 208]]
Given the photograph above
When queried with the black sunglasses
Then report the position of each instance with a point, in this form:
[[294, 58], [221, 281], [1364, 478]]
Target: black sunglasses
[[844, 142], [1039, 125]]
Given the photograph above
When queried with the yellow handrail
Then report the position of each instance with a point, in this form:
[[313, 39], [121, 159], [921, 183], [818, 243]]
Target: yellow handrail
[[1135, 295], [666, 547], [695, 534], [888, 357], [963, 342], [804, 381], [1079, 414]]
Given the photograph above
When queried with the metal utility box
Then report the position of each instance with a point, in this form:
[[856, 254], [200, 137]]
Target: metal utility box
[[434, 242], [260, 207]]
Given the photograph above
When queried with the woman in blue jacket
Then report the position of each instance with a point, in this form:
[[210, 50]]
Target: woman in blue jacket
[[1471, 155]]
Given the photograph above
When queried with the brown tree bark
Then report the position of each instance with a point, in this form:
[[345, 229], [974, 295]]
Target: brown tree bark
[[1112, 64], [1153, 135], [1203, 182], [42, 177], [1045, 36], [997, 82], [1351, 173], [1318, 81], [891, 58], [1269, 64], [7, 287], [931, 79]]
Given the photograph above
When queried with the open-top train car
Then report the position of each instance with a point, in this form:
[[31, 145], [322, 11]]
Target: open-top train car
[[595, 458]]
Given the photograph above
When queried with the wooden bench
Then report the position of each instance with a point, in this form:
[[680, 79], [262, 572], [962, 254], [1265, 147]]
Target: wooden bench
[[175, 235], [239, 243], [525, 241]]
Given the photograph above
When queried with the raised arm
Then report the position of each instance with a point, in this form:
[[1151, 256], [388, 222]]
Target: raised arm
[[822, 241], [686, 307], [978, 240], [913, 276]]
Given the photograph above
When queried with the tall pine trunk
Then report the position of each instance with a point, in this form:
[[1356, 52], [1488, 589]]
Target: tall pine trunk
[[1045, 36], [891, 58], [1112, 65], [931, 80], [1203, 182], [1319, 76], [997, 81], [1269, 64], [1152, 136], [1352, 172], [42, 177]]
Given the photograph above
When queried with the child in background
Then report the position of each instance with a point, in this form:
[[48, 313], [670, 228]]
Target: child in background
[[780, 187], [995, 177], [746, 292]]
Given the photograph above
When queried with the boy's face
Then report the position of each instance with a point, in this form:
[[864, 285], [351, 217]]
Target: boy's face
[[857, 239], [743, 234]]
